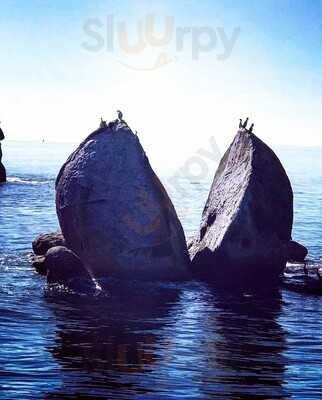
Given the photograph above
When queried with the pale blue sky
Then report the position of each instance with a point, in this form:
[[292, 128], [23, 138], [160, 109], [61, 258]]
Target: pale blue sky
[[52, 87]]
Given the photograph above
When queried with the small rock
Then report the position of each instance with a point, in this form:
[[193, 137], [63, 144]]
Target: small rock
[[46, 241], [65, 268], [3, 174], [296, 252], [38, 263]]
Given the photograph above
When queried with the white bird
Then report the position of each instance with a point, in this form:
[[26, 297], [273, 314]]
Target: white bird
[[120, 115]]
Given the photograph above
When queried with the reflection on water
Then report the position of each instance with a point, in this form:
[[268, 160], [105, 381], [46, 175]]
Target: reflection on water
[[248, 352], [191, 340], [110, 341]]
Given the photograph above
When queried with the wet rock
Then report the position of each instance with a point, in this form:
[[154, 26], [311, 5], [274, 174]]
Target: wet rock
[[247, 220], [65, 268], [38, 263], [303, 279], [45, 241], [114, 212], [3, 173], [296, 252]]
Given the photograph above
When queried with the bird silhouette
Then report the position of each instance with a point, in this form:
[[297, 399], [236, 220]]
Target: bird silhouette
[[102, 123], [120, 115], [245, 123], [251, 128]]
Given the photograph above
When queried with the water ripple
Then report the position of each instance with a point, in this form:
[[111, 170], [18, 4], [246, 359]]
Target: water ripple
[[161, 341]]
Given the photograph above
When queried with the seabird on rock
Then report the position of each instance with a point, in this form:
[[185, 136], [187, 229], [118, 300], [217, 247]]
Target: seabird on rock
[[120, 115], [102, 123], [240, 123], [245, 123], [251, 128]]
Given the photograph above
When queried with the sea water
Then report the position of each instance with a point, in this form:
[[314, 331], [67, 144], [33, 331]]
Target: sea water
[[161, 342]]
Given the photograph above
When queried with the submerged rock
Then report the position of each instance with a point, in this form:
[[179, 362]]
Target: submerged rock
[[46, 241], [114, 212], [307, 279], [296, 252], [65, 268], [247, 221]]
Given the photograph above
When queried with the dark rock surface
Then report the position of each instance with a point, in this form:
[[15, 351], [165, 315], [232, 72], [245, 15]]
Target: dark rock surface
[[247, 221], [3, 174], [38, 263], [304, 279], [65, 268], [45, 241], [114, 212], [296, 252]]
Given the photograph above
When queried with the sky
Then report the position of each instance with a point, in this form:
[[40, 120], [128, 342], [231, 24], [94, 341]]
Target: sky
[[182, 72]]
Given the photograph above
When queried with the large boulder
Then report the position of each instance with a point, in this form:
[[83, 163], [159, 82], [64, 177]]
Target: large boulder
[[247, 221], [46, 241], [114, 212]]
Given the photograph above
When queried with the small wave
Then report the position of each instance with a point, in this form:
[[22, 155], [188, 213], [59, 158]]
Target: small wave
[[27, 181], [310, 264], [84, 290], [12, 263]]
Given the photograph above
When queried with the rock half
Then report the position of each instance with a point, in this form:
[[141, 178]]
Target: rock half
[[247, 221], [114, 212]]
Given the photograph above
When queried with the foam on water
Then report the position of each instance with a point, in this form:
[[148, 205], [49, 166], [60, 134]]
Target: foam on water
[[25, 181]]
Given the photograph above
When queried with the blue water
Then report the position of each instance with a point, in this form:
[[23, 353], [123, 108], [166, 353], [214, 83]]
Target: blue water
[[163, 342]]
